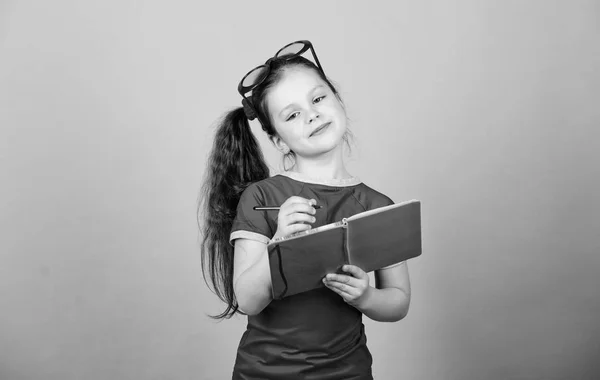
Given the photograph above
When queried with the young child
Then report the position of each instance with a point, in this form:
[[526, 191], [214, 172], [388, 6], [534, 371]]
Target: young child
[[317, 334]]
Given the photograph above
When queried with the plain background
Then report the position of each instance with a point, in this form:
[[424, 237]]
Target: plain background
[[486, 111]]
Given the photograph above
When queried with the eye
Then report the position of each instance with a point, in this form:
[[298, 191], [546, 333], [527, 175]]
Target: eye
[[317, 100], [292, 116]]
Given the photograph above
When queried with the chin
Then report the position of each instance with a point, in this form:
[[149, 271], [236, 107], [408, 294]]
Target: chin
[[331, 144]]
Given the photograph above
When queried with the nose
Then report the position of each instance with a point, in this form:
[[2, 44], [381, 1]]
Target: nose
[[313, 115]]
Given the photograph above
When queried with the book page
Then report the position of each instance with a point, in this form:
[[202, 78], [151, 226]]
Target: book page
[[380, 209], [307, 232]]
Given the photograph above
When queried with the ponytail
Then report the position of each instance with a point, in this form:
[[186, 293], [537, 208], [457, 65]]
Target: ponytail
[[235, 162]]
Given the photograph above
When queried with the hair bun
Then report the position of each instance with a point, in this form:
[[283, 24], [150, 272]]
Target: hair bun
[[248, 109]]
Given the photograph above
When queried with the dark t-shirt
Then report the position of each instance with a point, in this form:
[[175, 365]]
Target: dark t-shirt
[[311, 335]]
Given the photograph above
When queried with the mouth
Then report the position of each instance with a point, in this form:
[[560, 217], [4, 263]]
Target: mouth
[[319, 129]]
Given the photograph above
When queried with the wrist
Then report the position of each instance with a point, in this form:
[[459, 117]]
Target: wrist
[[365, 301]]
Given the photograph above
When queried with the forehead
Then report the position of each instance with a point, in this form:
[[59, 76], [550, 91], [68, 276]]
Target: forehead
[[295, 84]]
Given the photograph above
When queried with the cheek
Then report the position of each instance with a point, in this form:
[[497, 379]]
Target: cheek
[[282, 129], [341, 114], [340, 109], [287, 132]]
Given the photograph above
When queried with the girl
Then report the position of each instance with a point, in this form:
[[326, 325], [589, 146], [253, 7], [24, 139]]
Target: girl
[[317, 334]]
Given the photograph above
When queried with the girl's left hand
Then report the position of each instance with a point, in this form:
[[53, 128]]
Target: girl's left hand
[[354, 288]]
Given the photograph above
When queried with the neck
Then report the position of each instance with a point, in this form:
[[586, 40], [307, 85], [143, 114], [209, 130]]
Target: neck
[[325, 166]]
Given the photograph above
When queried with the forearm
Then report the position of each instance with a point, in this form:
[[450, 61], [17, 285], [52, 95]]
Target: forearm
[[385, 305], [253, 287]]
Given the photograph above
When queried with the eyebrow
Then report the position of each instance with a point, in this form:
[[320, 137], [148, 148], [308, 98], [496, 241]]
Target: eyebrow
[[317, 87]]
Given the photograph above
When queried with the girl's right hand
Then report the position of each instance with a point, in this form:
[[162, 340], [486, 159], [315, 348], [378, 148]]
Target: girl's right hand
[[295, 215]]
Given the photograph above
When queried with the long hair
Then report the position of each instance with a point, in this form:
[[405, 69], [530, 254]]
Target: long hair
[[235, 162]]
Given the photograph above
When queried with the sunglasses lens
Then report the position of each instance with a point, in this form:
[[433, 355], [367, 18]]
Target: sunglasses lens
[[255, 76], [292, 49]]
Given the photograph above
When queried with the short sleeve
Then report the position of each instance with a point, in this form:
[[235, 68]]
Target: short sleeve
[[394, 265], [249, 223]]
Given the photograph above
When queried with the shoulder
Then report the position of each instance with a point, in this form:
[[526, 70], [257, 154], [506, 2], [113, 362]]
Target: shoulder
[[273, 190], [270, 185], [370, 198]]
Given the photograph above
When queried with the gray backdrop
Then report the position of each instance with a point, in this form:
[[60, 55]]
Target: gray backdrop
[[486, 111]]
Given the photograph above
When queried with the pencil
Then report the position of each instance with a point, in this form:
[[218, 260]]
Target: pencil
[[267, 208]]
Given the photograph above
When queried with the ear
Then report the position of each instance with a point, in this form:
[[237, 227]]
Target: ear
[[280, 145]]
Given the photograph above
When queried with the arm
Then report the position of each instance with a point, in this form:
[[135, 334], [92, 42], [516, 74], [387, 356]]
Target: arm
[[251, 276], [251, 271], [388, 301]]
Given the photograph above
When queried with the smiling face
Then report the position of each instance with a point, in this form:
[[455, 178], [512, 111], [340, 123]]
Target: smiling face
[[308, 117]]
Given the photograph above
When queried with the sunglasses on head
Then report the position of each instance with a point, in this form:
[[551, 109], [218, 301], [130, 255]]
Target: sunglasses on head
[[258, 74]]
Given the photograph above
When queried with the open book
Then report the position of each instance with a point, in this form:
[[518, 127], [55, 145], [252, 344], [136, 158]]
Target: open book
[[370, 240]]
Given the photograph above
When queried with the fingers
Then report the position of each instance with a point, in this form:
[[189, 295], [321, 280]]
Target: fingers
[[341, 281], [298, 227], [350, 287], [298, 205], [342, 289], [296, 214], [347, 297], [299, 218], [299, 210], [297, 199], [354, 271], [345, 287]]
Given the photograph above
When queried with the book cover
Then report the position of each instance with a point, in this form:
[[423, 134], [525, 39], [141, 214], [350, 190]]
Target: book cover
[[370, 240]]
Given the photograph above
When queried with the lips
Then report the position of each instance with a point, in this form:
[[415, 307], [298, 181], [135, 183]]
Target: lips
[[319, 129]]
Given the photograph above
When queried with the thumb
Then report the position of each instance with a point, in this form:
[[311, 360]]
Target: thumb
[[354, 271]]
